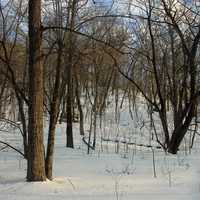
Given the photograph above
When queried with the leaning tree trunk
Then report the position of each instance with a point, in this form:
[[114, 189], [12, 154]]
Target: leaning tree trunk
[[181, 130], [36, 161], [54, 112]]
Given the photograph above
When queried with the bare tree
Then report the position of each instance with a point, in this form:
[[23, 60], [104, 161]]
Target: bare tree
[[56, 93], [173, 28], [13, 58]]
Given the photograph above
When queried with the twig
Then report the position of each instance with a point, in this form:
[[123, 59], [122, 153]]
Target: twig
[[3, 148], [71, 184], [8, 145], [87, 143]]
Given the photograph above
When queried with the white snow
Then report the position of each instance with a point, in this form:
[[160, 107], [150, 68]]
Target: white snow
[[103, 174]]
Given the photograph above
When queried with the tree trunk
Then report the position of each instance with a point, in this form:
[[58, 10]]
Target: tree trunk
[[54, 112], [179, 132], [24, 125], [36, 161], [69, 130], [81, 122], [70, 50], [50, 145]]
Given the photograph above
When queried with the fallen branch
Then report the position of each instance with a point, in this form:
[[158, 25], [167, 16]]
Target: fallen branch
[[131, 143]]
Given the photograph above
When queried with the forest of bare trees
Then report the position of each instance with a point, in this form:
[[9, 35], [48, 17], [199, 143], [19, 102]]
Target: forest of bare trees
[[61, 60]]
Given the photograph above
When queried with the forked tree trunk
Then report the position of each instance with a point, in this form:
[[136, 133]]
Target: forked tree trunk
[[36, 161], [180, 131]]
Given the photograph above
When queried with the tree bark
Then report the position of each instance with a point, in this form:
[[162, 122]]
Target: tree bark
[[70, 50], [54, 112], [36, 161], [179, 132]]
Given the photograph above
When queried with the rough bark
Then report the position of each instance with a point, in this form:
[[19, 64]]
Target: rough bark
[[36, 161]]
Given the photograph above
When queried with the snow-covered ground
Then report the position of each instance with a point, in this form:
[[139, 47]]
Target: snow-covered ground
[[103, 174]]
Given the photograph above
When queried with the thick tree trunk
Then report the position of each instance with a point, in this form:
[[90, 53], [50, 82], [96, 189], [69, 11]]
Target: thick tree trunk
[[36, 161], [177, 137], [180, 131]]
